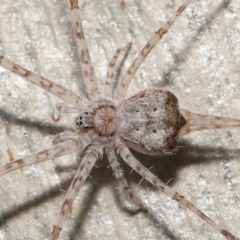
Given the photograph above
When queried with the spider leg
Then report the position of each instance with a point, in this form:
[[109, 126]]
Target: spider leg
[[66, 108], [63, 107], [145, 173], [64, 136], [89, 75], [197, 122], [58, 150], [111, 69], [81, 174], [127, 77], [122, 181], [54, 88]]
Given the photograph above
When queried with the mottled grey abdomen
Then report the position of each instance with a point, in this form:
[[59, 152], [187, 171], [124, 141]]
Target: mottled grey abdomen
[[149, 121]]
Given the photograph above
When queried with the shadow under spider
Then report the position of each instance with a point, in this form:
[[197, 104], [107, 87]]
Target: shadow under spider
[[102, 177], [42, 127], [189, 44]]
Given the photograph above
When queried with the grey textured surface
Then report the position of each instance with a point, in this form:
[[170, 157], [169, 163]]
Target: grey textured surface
[[199, 60]]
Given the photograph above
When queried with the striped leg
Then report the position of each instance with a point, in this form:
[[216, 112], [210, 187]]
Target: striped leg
[[127, 77], [145, 173], [108, 87], [197, 122], [54, 88], [89, 76], [122, 181], [58, 150], [80, 176]]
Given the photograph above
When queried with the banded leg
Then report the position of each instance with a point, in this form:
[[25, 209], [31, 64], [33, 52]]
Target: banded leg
[[197, 122], [127, 77], [145, 173], [64, 136], [122, 181], [108, 87], [62, 107], [80, 176], [54, 88], [89, 75], [58, 150]]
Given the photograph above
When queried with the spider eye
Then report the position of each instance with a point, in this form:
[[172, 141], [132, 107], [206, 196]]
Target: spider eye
[[86, 113]]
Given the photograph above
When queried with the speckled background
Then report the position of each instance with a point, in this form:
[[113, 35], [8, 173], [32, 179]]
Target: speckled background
[[199, 60]]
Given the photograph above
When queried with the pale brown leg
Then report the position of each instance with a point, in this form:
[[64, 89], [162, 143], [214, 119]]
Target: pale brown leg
[[197, 122], [108, 87], [145, 173], [54, 88], [89, 76], [58, 150], [80, 176], [127, 77], [122, 181]]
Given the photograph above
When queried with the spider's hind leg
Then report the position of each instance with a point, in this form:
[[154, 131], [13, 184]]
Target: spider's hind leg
[[63, 93], [122, 181], [156, 182]]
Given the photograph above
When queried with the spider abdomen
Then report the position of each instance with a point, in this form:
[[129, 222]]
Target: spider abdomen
[[149, 122]]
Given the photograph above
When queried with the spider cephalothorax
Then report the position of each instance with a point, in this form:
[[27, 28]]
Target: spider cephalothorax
[[99, 120]]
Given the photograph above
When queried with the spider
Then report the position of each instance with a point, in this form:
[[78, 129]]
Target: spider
[[86, 126]]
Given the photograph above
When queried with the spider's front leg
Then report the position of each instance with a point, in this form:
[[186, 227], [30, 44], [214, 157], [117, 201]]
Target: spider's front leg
[[89, 75], [54, 88], [63, 93]]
